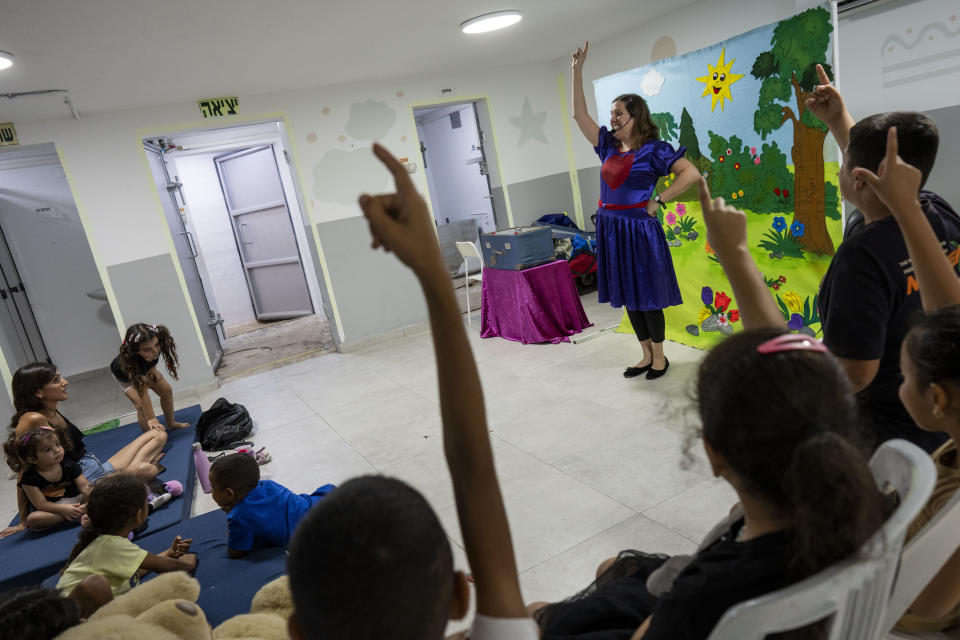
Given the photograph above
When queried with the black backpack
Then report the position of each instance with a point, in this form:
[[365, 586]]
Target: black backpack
[[223, 425]]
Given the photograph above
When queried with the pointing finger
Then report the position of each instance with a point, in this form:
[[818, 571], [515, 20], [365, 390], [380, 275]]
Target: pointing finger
[[822, 74], [892, 146], [400, 175], [704, 192]]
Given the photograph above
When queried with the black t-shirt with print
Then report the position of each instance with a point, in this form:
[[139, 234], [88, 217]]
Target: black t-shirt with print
[[65, 487], [143, 366], [868, 301]]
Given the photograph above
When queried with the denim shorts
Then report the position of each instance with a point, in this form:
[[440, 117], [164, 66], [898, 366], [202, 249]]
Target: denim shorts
[[93, 469]]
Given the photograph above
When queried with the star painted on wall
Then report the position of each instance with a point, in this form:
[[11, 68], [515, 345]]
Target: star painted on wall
[[530, 124], [718, 81]]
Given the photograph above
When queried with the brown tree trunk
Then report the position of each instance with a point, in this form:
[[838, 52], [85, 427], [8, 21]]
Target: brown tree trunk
[[808, 189], [808, 185]]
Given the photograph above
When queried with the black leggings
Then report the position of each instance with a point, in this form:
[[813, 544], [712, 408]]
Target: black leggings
[[648, 325]]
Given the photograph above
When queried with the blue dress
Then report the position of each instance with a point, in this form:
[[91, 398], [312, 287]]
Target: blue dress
[[634, 266]]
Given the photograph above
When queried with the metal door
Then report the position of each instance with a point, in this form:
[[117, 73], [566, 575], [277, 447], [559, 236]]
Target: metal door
[[22, 342], [264, 233], [488, 215], [186, 247]]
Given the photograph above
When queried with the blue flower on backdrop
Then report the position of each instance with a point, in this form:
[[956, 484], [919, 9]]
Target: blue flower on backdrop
[[797, 229], [779, 224], [706, 295], [795, 322]]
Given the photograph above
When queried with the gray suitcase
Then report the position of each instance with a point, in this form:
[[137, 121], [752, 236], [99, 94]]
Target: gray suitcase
[[517, 248]]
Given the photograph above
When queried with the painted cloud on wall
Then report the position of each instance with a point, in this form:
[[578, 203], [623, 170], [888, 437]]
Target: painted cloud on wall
[[341, 176], [652, 83], [370, 120]]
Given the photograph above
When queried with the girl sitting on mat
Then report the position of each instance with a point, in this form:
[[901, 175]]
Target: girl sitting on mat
[[135, 370], [117, 506], [38, 389], [54, 484]]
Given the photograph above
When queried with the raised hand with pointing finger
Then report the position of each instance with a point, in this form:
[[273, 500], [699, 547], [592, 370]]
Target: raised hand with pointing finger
[[826, 104], [896, 183]]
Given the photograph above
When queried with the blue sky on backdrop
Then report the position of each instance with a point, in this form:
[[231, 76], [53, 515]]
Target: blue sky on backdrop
[[680, 88]]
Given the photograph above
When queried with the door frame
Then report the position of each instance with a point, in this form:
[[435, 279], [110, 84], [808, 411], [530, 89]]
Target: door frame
[[484, 117], [212, 318], [259, 132]]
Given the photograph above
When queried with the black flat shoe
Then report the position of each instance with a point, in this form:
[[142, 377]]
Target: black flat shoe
[[633, 372], [653, 374]]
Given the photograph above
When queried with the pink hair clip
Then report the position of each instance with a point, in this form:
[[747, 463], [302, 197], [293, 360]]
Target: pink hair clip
[[792, 342]]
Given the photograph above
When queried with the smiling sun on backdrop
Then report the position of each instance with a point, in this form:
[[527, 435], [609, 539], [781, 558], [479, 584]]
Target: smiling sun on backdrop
[[718, 82]]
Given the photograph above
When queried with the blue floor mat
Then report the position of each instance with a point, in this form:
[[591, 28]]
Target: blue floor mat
[[28, 557], [227, 586]]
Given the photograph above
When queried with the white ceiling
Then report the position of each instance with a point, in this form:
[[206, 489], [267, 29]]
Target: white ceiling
[[119, 54]]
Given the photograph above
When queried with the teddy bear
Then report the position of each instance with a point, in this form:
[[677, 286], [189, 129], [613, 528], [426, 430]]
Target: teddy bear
[[165, 608]]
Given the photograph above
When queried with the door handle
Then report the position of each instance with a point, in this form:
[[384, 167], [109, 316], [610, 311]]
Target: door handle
[[243, 238], [214, 321], [190, 242]]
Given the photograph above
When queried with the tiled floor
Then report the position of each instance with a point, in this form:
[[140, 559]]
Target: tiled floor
[[589, 463]]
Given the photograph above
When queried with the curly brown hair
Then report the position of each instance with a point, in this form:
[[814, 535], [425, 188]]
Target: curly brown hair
[[135, 336], [644, 128]]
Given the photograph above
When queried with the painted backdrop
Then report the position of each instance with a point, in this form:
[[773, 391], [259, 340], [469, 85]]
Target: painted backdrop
[[738, 108]]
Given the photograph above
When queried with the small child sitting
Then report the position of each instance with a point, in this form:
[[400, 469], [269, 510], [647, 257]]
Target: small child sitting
[[117, 506], [259, 512], [54, 485]]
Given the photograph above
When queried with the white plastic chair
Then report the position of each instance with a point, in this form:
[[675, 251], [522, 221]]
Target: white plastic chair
[[853, 594], [469, 250], [921, 560]]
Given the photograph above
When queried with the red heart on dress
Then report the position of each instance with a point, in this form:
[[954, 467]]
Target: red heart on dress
[[615, 170]]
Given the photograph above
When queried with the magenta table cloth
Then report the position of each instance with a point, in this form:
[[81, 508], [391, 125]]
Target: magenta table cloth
[[533, 305]]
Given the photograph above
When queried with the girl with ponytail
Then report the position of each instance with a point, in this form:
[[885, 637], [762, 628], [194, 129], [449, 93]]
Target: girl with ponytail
[[135, 370], [779, 424], [117, 506]]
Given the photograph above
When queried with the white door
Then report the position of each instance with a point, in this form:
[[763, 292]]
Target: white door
[[264, 233], [456, 167], [19, 332]]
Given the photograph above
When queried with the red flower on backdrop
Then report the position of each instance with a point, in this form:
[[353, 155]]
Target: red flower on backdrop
[[782, 279], [720, 158], [776, 190], [776, 286], [736, 165], [786, 193], [722, 301], [733, 316]]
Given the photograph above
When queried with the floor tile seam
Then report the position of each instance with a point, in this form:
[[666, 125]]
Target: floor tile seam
[[358, 399], [584, 541], [350, 441], [645, 514], [564, 472]]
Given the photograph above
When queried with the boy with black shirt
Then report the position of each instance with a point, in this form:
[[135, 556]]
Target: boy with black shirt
[[869, 294]]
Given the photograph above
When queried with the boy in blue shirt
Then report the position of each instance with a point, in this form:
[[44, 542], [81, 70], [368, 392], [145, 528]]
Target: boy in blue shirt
[[259, 512]]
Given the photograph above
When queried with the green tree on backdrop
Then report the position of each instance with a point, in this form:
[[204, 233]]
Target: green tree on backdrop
[[666, 124], [788, 74]]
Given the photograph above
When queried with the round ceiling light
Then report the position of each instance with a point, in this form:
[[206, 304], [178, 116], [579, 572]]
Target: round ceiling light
[[491, 21], [6, 60]]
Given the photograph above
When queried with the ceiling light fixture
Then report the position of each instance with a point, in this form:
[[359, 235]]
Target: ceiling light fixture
[[491, 21], [6, 60]]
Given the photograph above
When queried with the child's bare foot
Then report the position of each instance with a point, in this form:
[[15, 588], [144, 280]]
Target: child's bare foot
[[179, 425]]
